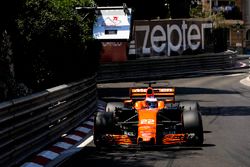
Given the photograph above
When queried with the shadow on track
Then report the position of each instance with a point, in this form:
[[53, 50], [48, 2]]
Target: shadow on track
[[132, 157], [226, 111]]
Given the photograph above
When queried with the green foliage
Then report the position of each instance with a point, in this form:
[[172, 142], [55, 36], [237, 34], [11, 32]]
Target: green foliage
[[51, 42], [196, 12], [53, 15], [218, 20]]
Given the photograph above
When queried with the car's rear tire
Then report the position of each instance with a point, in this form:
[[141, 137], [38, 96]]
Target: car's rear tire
[[103, 124], [192, 121], [111, 106]]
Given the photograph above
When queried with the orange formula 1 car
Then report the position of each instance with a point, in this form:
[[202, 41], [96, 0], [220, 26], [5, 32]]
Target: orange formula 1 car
[[145, 120]]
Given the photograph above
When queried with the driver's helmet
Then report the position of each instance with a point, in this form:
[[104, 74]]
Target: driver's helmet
[[151, 102]]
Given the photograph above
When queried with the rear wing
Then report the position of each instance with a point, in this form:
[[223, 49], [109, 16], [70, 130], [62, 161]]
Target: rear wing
[[161, 93]]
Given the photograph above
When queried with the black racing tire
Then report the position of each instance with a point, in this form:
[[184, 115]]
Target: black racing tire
[[111, 106], [103, 124], [192, 121], [189, 105]]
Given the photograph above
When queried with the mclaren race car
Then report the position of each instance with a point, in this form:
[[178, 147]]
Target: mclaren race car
[[150, 117]]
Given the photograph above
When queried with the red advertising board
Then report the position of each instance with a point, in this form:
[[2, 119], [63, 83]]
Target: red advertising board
[[114, 52]]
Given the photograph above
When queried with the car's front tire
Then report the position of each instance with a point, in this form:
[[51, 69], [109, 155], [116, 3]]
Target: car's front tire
[[103, 124], [192, 121]]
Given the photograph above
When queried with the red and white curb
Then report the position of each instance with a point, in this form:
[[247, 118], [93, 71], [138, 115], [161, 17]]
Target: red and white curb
[[78, 138]]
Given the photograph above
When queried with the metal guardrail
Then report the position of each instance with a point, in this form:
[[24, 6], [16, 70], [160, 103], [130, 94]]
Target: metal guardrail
[[30, 123], [173, 66]]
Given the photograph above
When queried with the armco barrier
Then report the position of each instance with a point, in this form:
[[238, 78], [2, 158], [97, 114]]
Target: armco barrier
[[30, 123], [173, 66]]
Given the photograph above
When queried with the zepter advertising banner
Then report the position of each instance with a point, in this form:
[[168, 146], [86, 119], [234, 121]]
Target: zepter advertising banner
[[163, 37]]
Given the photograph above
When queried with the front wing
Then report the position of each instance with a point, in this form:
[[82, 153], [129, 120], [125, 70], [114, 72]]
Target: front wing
[[168, 139]]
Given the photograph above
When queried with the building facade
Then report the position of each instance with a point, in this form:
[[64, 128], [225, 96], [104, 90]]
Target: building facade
[[237, 21]]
